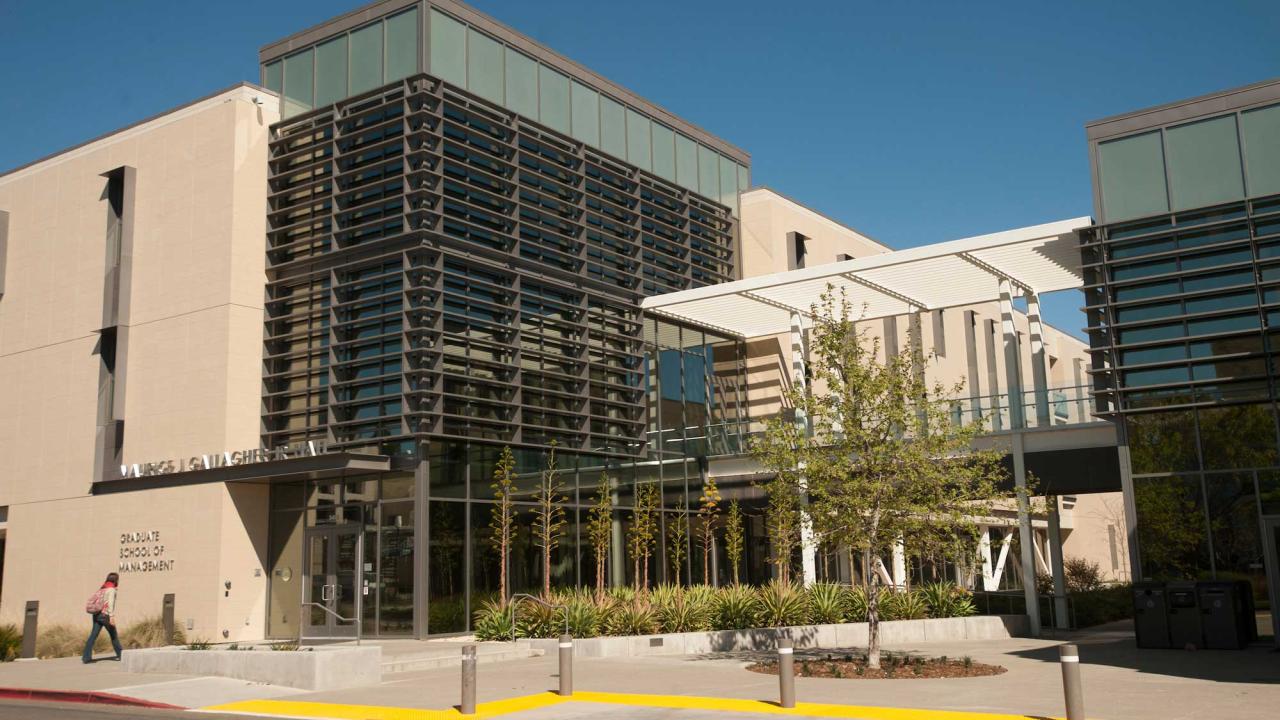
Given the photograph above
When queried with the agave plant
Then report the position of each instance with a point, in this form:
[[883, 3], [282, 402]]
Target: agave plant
[[634, 618], [947, 600], [826, 603], [492, 621], [782, 604], [736, 607], [855, 604], [684, 614], [903, 605], [621, 593], [582, 617], [535, 620]]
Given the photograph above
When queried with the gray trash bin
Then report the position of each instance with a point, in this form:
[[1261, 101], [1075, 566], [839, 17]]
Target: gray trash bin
[[1150, 616], [1184, 616], [1223, 616]]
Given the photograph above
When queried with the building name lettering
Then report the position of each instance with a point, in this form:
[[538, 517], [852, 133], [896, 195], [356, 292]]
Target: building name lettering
[[142, 551], [223, 459]]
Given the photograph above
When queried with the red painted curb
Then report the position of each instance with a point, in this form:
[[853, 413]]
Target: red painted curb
[[82, 696]]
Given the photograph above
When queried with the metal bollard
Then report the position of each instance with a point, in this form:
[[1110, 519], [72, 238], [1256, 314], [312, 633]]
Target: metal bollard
[[566, 665], [1069, 657], [29, 622], [166, 618], [786, 673], [468, 704]]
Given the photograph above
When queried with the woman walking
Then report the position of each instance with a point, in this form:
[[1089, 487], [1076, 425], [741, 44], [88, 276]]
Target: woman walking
[[102, 606]]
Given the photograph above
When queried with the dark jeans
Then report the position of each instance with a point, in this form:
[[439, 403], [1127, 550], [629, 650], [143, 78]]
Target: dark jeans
[[100, 622]]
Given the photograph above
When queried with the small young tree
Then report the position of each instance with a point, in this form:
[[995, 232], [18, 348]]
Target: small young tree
[[502, 516], [600, 531], [549, 520], [885, 459], [734, 537], [709, 512], [678, 540], [782, 511], [642, 534]]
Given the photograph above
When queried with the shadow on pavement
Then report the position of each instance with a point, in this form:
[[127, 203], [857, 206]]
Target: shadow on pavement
[[1113, 645]]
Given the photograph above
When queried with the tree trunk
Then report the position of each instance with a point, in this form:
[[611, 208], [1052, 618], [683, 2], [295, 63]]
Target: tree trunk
[[502, 569], [546, 572], [873, 622]]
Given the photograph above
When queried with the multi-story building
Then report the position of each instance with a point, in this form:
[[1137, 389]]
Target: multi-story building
[[1182, 271], [262, 351]]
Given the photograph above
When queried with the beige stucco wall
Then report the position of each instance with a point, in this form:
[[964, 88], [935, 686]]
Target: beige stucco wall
[[58, 552], [191, 371], [1098, 533]]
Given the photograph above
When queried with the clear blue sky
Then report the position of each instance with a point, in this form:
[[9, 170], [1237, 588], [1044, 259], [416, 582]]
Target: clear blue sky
[[914, 122]]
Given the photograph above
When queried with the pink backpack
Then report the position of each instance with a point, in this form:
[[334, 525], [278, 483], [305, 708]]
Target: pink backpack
[[97, 602]]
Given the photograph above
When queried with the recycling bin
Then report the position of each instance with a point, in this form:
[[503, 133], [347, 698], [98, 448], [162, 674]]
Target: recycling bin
[[1183, 606], [1150, 616], [1226, 613]]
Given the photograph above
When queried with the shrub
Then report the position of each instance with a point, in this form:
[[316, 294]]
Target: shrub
[[149, 633], [1082, 575], [736, 607], [492, 621], [622, 593], [58, 641], [535, 620], [583, 617], [199, 644], [782, 604], [685, 614], [634, 618], [947, 600], [1102, 605], [826, 603], [10, 642], [903, 605], [855, 604]]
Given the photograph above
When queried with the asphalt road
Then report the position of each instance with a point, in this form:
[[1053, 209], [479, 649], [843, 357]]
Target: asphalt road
[[15, 710]]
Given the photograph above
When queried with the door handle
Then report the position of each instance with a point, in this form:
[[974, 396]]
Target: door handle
[[324, 593]]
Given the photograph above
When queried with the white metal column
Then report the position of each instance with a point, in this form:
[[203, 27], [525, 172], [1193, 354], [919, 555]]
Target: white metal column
[[799, 360], [1012, 364], [1039, 363], [1025, 538]]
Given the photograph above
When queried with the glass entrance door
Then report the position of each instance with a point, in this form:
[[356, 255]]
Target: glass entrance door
[[334, 582], [1271, 553]]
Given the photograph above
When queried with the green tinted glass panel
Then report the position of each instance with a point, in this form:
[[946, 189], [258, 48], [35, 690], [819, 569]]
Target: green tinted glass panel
[[1204, 163], [1138, 270], [299, 72], [586, 113], [1222, 257], [1217, 280], [1261, 130], [484, 66], [613, 128], [1153, 355], [1226, 324], [522, 84], [664, 152], [331, 71], [366, 58], [402, 45], [744, 179], [1157, 376], [1132, 175], [1148, 312], [1150, 334], [1138, 292], [273, 76], [1148, 247], [448, 49], [638, 140], [708, 172], [729, 183], [1223, 302], [553, 99], [686, 162]]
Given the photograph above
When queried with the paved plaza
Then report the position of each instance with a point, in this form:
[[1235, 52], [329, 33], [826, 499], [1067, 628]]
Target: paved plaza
[[1120, 682]]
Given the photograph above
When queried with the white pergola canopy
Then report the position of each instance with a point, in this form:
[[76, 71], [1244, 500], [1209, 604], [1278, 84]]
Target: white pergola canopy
[[1037, 259]]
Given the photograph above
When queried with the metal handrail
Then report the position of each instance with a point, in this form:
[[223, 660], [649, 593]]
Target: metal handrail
[[515, 600], [355, 621]]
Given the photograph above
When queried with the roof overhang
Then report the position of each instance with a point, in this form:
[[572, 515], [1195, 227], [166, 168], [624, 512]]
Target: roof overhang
[[310, 467], [1037, 259]]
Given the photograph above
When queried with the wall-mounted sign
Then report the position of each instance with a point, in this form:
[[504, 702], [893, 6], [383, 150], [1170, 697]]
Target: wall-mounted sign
[[224, 459], [142, 551]]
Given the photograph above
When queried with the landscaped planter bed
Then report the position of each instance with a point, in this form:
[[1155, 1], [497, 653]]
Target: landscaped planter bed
[[893, 666]]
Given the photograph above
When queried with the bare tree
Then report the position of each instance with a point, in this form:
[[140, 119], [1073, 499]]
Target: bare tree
[[600, 530], [734, 537], [502, 516], [549, 520]]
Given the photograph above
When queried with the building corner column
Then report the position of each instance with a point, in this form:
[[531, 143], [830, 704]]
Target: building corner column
[[1056, 561], [1025, 538], [799, 362]]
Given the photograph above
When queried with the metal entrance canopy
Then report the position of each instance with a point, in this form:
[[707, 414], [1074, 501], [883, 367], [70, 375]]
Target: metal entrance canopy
[[1035, 259]]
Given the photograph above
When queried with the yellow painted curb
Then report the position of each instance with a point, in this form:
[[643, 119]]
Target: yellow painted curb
[[299, 709]]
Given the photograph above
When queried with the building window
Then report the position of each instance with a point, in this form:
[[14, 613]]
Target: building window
[[448, 49], [1132, 176], [638, 140], [521, 84], [331, 68], [366, 58], [1261, 133], [1204, 163], [401, 45], [553, 99], [484, 66], [664, 152], [299, 90], [585, 113]]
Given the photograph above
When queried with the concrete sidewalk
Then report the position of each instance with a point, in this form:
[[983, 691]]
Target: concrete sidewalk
[[1120, 682]]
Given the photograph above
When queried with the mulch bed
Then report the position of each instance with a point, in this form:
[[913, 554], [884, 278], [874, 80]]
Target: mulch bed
[[897, 668]]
